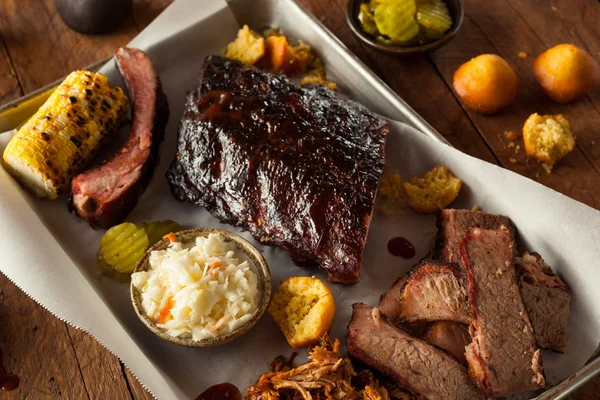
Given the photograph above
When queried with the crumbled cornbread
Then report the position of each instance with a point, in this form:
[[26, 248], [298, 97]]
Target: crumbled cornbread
[[548, 138], [511, 135], [390, 196], [304, 308], [248, 47], [522, 54], [435, 191]]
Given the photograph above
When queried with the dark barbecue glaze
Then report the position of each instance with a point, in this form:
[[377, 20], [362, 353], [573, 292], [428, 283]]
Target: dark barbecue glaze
[[297, 167]]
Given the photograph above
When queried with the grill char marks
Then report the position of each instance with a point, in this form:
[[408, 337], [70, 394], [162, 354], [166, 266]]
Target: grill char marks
[[434, 292], [105, 195], [503, 357], [547, 299], [297, 167], [409, 361]]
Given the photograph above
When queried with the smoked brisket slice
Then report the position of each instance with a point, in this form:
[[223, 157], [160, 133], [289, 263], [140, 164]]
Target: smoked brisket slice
[[432, 292], [454, 224], [296, 166], [503, 357], [411, 362], [450, 336], [547, 299]]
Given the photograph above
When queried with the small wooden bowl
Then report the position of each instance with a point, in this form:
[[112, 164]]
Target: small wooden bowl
[[190, 235], [455, 9]]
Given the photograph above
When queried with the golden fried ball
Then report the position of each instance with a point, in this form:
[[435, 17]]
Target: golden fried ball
[[486, 84], [566, 72]]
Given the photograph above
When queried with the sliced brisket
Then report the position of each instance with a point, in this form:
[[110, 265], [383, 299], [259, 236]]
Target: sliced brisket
[[432, 292], [547, 299], [449, 336], [297, 167], [411, 362], [503, 357], [454, 224]]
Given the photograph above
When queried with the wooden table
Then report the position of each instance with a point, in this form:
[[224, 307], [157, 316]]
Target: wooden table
[[55, 360]]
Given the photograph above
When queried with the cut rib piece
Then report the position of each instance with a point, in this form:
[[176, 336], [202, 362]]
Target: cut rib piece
[[450, 336], [434, 292], [297, 167], [105, 195], [547, 299], [411, 362], [454, 224], [503, 357]]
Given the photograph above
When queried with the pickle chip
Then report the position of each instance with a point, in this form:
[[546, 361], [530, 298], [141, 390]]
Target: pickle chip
[[122, 247], [435, 18], [155, 230], [397, 20], [367, 21]]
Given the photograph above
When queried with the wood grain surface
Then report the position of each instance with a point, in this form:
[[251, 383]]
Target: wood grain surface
[[56, 361]]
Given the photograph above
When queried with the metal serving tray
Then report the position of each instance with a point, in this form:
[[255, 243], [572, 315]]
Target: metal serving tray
[[354, 79]]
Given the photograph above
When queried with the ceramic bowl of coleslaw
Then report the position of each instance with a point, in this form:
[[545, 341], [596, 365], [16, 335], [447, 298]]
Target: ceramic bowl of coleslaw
[[201, 287]]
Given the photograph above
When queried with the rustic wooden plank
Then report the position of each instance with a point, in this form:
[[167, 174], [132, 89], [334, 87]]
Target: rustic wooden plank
[[490, 28], [100, 369], [144, 11], [37, 348], [137, 390], [414, 79], [42, 48], [9, 84]]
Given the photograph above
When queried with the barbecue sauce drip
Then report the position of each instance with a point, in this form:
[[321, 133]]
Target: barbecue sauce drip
[[400, 247], [222, 391], [7, 381]]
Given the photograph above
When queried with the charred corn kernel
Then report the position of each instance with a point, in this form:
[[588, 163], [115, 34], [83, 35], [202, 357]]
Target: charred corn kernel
[[61, 138], [435, 18]]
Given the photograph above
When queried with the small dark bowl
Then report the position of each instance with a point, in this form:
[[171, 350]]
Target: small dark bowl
[[455, 8]]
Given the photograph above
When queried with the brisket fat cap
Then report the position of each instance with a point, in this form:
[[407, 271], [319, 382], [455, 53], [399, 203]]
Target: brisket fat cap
[[295, 166], [106, 194], [411, 362], [503, 357]]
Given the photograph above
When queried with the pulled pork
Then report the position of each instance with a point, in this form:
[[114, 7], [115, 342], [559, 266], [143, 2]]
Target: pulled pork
[[325, 376]]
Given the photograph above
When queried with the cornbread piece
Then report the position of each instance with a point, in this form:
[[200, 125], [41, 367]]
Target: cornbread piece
[[566, 72], [547, 299], [435, 191], [411, 362], [297, 167], [304, 308], [248, 47], [486, 84], [449, 336], [105, 195], [454, 224], [390, 196], [65, 134], [434, 292], [503, 357], [548, 138]]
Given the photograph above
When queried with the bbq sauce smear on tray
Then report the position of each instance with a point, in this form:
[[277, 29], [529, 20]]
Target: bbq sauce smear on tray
[[400, 247], [222, 391], [7, 381]]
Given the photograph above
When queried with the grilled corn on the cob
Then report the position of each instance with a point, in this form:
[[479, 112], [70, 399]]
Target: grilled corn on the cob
[[65, 133]]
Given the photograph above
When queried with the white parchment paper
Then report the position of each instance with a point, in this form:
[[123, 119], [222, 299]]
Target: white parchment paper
[[51, 255]]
